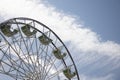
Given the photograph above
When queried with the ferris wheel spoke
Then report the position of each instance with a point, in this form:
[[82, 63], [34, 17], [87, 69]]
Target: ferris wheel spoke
[[57, 72], [49, 68], [13, 62], [13, 68], [32, 50], [43, 70], [31, 53], [20, 58], [54, 74], [45, 64], [21, 51], [37, 50], [26, 47]]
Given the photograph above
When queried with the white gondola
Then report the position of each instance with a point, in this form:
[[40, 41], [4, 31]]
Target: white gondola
[[26, 30], [57, 53], [6, 30], [45, 40], [67, 72]]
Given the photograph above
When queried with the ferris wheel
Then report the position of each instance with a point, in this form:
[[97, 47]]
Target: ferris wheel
[[29, 50]]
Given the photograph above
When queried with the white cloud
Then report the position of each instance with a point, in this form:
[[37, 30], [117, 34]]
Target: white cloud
[[66, 27]]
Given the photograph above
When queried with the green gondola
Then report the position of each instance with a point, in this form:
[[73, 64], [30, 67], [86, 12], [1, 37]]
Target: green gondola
[[67, 72], [6, 30], [45, 40], [58, 55], [26, 30]]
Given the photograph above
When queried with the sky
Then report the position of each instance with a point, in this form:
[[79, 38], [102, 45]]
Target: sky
[[102, 16], [89, 29]]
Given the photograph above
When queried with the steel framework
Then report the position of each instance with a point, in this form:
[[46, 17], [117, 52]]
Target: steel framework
[[29, 50]]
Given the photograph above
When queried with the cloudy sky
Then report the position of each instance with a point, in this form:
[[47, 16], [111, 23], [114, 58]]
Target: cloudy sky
[[90, 30]]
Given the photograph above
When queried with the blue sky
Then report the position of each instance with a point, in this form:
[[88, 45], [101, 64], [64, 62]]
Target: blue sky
[[90, 30], [102, 16]]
